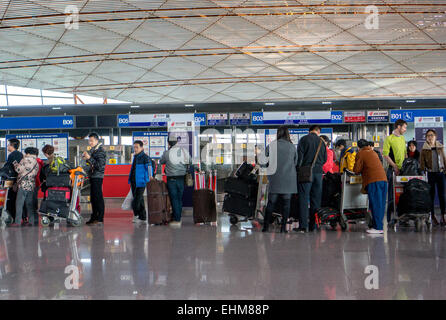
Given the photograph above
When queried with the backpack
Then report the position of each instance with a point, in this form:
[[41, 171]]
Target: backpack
[[415, 198], [348, 160], [59, 165], [410, 167]]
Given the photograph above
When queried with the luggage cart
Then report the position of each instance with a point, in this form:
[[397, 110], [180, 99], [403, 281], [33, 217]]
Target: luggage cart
[[420, 218], [261, 202], [354, 204], [5, 185], [74, 217]]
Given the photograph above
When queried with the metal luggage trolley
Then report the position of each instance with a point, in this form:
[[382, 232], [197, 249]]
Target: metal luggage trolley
[[74, 217], [354, 204], [420, 218]]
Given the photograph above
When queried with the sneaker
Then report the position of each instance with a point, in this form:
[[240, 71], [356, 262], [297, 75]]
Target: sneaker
[[374, 231], [175, 224], [300, 230], [142, 221], [135, 219]]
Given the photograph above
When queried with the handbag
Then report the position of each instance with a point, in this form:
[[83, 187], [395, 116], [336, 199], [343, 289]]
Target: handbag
[[127, 204], [306, 172], [188, 180]]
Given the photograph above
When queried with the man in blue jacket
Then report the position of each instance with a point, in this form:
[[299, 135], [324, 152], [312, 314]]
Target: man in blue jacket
[[140, 173]]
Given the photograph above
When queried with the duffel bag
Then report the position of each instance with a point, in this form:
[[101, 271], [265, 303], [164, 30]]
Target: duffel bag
[[415, 198], [62, 180], [238, 205], [241, 187]]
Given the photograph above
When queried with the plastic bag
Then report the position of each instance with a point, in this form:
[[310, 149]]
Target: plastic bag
[[127, 204]]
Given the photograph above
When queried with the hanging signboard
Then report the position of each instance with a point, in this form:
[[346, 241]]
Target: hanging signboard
[[300, 117], [22, 123], [409, 115], [354, 116], [159, 120], [58, 140], [295, 134], [378, 116]]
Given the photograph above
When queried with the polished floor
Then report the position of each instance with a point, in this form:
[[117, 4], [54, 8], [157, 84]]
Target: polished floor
[[122, 260]]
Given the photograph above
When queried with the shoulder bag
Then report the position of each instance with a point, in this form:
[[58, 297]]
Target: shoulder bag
[[306, 172]]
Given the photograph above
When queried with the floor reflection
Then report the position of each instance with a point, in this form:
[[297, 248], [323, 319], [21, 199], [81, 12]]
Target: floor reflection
[[126, 261]]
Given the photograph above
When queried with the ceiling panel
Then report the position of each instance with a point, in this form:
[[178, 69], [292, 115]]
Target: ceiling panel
[[225, 50]]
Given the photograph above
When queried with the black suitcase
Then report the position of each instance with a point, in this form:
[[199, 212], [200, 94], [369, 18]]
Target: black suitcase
[[205, 209], [62, 180], [238, 205], [243, 188], [59, 208]]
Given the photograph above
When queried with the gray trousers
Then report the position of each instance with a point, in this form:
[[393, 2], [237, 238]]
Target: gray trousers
[[25, 198]]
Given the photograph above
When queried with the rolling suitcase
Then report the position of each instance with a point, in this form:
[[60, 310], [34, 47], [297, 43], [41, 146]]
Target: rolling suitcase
[[158, 203], [241, 187], [205, 209], [238, 205]]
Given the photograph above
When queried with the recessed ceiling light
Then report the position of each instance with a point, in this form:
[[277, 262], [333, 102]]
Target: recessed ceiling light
[[410, 101], [188, 105], [134, 107], [57, 108], [269, 103], [326, 102], [3, 109]]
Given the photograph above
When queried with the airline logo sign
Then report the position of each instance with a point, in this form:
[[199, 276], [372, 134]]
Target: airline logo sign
[[428, 122], [217, 119], [354, 116], [239, 118], [378, 116]]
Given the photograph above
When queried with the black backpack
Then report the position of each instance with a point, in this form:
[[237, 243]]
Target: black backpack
[[410, 167], [415, 198]]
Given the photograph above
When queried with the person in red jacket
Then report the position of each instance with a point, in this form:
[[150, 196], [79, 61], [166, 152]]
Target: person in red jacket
[[329, 165]]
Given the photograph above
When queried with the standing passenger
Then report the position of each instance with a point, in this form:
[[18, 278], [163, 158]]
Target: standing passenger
[[394, 151], [140, 174], [14, 155], [311, 191], [374, 182], [27, 170], [96, 160], [412, 151], [176, 160], [433, 161], [283, 180]]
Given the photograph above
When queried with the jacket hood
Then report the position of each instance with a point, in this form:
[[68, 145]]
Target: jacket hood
[[426, 146]]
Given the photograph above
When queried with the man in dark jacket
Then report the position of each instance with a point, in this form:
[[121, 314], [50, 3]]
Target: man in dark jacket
[[311, 191], [96, 159], [14, 156], [140, 173]]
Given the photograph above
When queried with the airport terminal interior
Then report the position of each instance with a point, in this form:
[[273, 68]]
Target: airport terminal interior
[[103, 90]]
